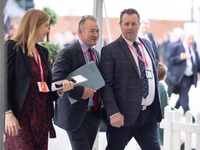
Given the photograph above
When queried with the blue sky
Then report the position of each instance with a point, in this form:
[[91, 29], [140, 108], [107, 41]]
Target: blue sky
[[151, 9]]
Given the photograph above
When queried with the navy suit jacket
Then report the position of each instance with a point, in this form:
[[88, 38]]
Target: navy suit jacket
[[67, 116], [177, 66], [155, 48], [123, 91]]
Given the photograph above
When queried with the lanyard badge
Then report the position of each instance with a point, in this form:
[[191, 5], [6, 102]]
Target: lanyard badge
[[41, 85], [149, 73]]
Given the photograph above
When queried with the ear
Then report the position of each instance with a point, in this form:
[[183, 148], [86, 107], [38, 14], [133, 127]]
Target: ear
[[139, 24], [79, 32]]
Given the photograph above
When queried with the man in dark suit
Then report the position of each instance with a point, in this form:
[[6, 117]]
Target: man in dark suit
[[143, 33], [80, 120], [184, 65], [130, 95]]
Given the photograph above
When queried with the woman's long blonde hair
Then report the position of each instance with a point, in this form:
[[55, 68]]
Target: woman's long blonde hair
[[26, 34]]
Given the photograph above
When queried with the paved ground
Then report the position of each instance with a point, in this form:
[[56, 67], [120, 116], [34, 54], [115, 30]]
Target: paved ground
[[62, 141]]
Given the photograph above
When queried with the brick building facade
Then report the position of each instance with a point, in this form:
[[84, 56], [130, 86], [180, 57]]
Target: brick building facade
[[157, 27], [70, 23]]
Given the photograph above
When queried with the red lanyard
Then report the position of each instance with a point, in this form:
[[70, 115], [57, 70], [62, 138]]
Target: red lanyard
[[40, 65], [144, 60], [93, 56]]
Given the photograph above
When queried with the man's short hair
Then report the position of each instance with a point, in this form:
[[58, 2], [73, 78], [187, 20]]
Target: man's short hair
[[84, 18], [129, 11]]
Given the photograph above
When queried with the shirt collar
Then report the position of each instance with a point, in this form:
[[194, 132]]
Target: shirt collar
[[83, 45], [185, 45], [130, 42]]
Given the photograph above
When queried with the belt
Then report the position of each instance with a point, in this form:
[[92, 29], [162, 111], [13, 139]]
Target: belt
[[144, 107], [90, 108]]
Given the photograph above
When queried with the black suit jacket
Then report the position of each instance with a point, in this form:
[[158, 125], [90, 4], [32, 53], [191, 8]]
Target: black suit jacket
[[19, 73], [67, 116], [123, 91]]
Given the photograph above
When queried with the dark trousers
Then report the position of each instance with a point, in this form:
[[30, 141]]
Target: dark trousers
[[84, 137], [184, 88], [144, 130]]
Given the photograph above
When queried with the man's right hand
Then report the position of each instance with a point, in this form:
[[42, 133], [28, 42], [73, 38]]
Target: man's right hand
[[88, 92], [117, 120]]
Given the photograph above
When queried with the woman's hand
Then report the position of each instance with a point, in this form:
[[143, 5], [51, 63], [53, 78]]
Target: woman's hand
[[11, 124]]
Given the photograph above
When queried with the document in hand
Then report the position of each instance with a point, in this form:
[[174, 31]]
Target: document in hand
[[76, 79], [91, 72]]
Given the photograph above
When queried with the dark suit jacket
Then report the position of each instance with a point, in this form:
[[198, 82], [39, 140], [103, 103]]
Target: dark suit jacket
[[67, 116], [19, 73], [177, 66], [155, 48], [123, 91]]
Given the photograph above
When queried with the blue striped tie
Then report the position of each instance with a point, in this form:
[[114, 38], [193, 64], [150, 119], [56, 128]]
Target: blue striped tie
[[145, 85]]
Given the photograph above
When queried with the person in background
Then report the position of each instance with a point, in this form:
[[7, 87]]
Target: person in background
[[183, 63], [130, 95], [28, 117], [144, 33], [177, 35], [163, 47], [171, 81], [162, 72], [80, 120]]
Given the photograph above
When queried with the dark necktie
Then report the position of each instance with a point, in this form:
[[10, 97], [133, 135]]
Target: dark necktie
[[145, 86], [191, 57], [96, 95]]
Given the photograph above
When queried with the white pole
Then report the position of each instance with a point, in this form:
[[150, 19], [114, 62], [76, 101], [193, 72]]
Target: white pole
[[107, 23], [2, 76], [97, 12]]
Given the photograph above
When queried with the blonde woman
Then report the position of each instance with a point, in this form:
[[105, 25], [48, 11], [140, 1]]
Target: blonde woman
[[29, 97]]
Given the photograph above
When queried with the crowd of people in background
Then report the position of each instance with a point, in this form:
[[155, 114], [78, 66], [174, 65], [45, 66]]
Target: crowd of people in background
[[133, 66]]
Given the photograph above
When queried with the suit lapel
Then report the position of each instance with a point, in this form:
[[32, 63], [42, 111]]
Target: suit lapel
[[97, 56], [79, 53], [26, 59], [128, 53], [149, 50]]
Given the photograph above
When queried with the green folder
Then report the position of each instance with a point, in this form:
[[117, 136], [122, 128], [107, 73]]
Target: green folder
[[91, 72]]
